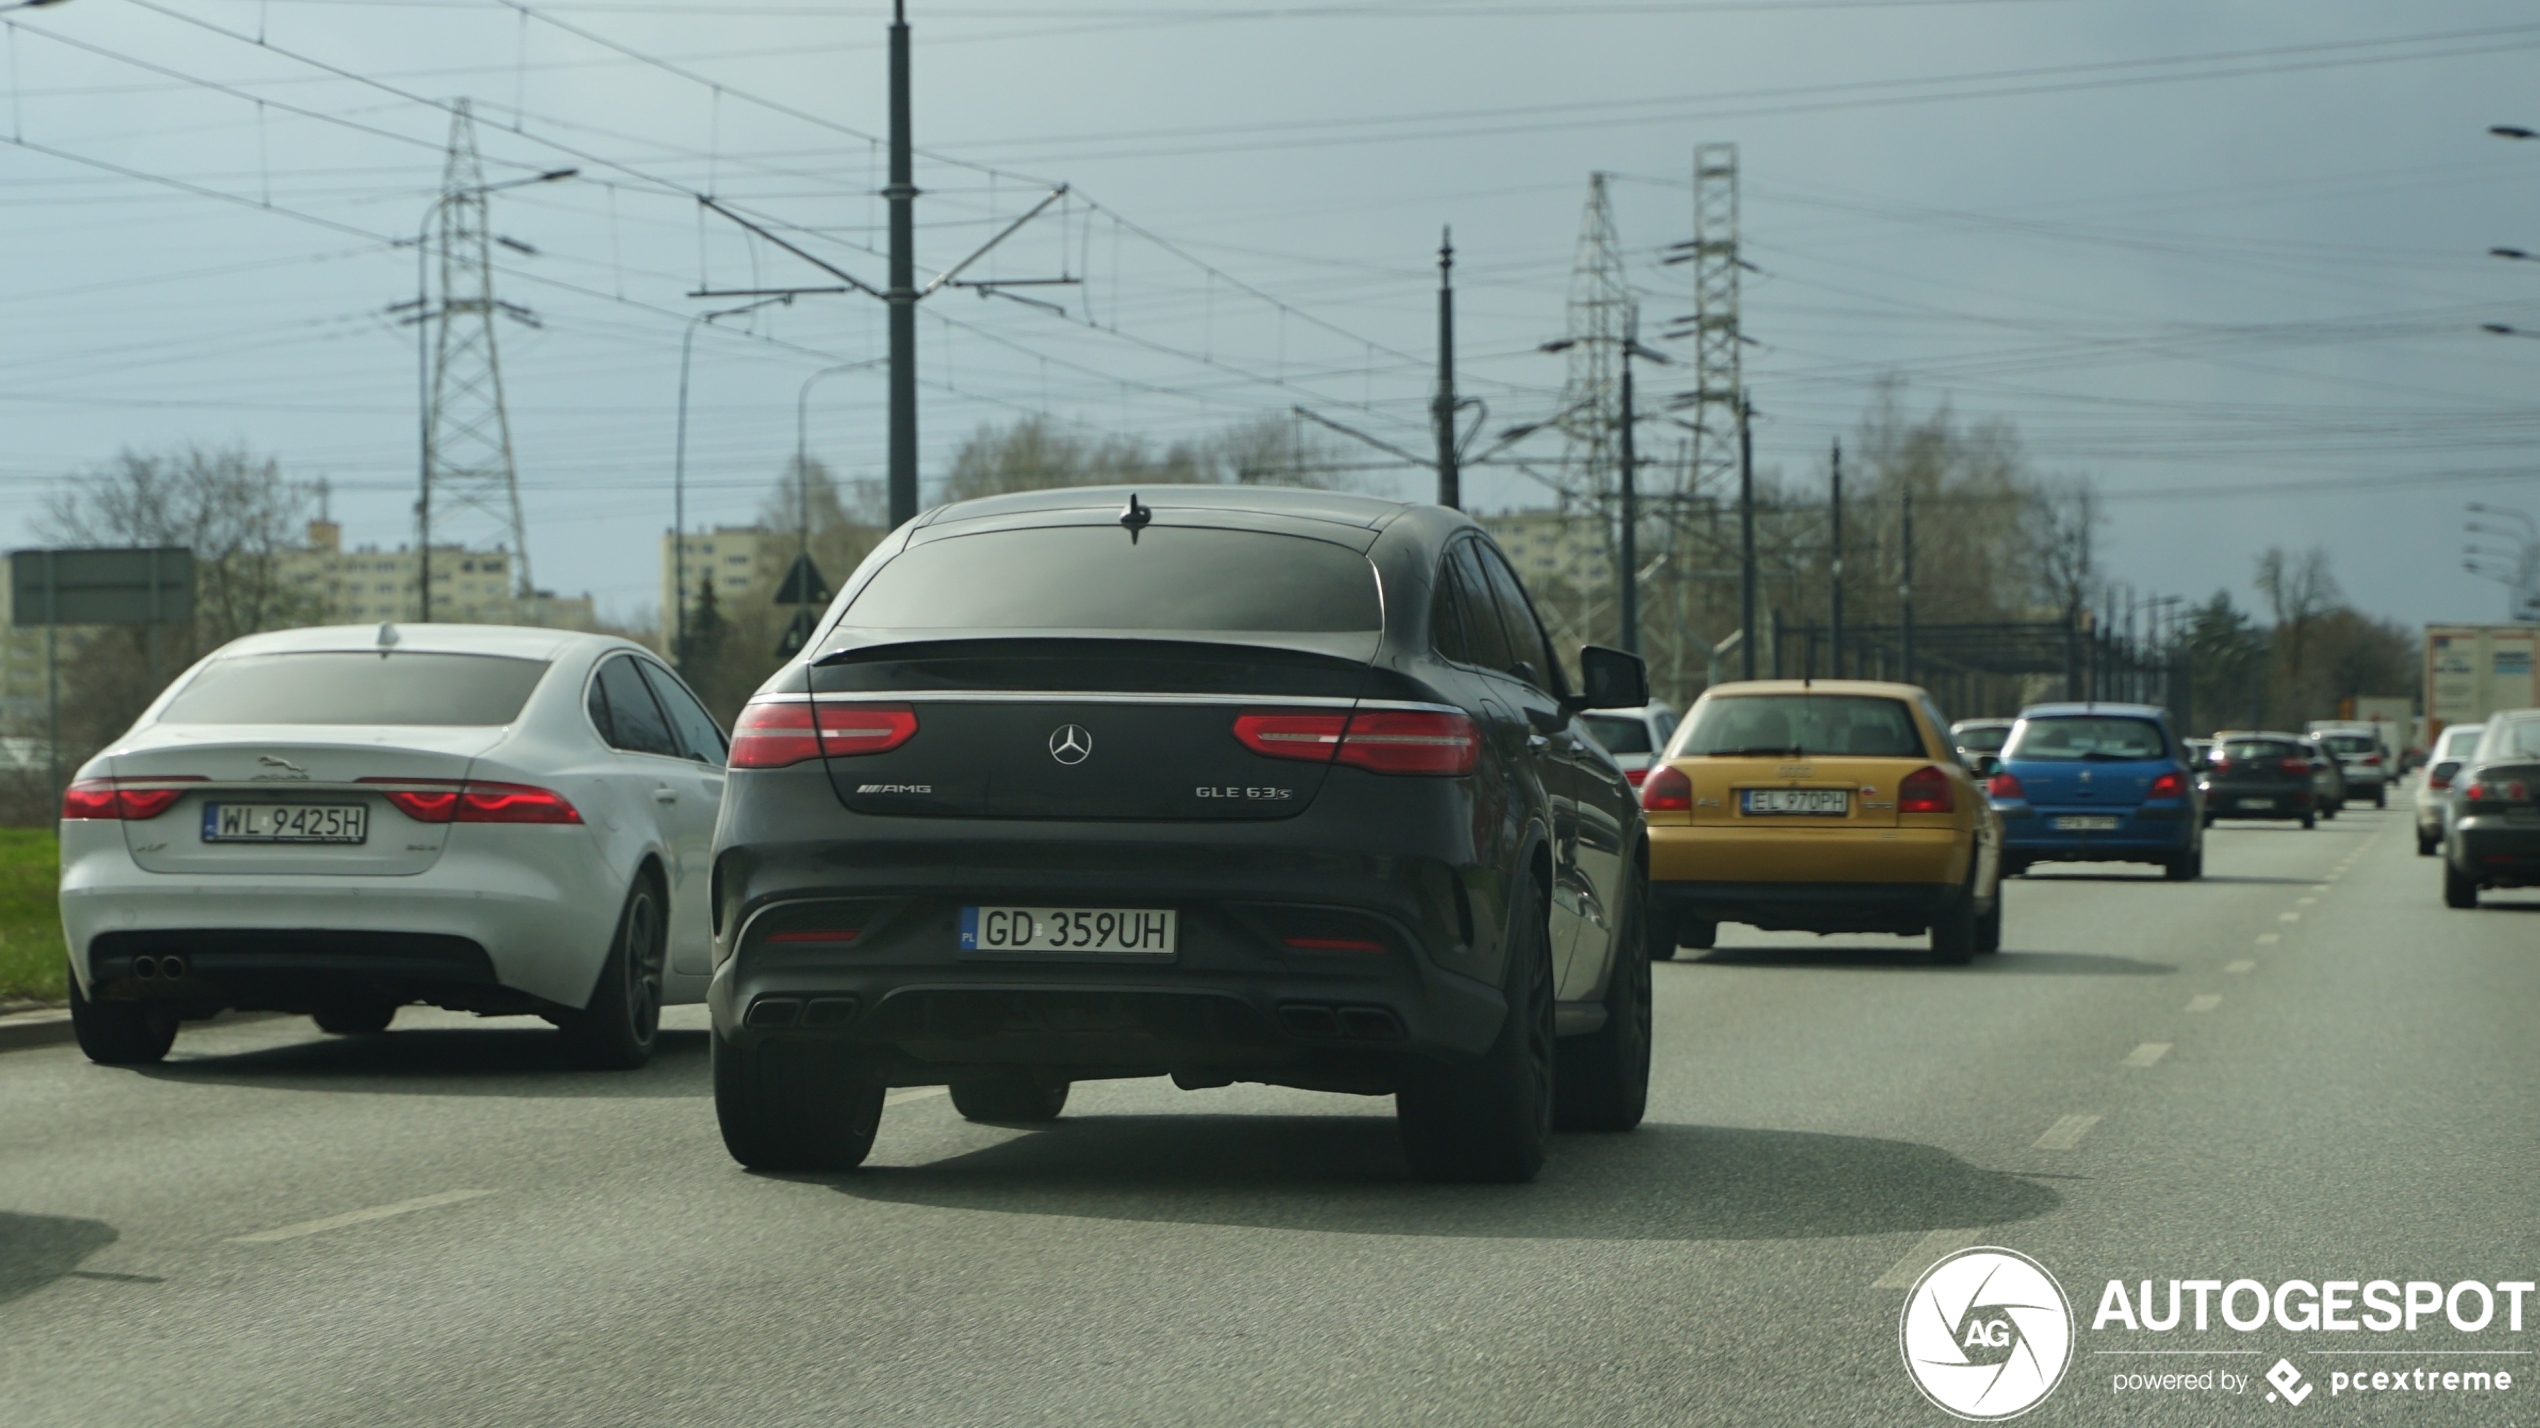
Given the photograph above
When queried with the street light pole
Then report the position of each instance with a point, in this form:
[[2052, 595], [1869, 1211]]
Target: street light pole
[[679, 479], [902, 296], [802, 439], [1627, 579], [1746, 535], [1442, 407], [1834, 600]]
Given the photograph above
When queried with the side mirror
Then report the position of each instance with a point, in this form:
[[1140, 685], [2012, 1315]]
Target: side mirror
[[1612, 679], [1987, 765]]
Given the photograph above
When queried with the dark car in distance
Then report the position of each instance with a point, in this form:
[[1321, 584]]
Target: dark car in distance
[[2260, 774], [2491, 836], [1221, 783]]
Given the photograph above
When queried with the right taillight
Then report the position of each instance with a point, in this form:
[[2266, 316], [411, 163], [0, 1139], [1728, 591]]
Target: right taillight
[[773, 733], [2005, 787], [1439, 743], [2169, 785], [2296, 766], [1925, 790], [1667, 790]]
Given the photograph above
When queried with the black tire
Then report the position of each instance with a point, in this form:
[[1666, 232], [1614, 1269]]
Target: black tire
[[2331, 810], [2381, 797], [355, 1018], [802, 1107], [1953, 933], [2311, 820], [1664, 931], [1009, 1095], [1700, 934], [1486, 1118], [617, 1029], [2187, 867], [2459, 890], [2427, 847], [1603, 1080], [1989, 923], [120, 1033]]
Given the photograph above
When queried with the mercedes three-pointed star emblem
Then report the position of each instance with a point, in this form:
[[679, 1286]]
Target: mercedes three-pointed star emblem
[[1070, 744]]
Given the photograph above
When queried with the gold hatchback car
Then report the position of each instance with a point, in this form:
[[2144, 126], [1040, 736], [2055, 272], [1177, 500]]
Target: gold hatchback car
[[1820, 806]]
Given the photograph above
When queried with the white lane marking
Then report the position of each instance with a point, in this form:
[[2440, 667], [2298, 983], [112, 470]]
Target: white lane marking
[[2066, 1132], [2304, 901], [1903, 1273], [2205, 1003], [356, 1217], [2243, 965], [2322, 887], [906, 1094], [2269, 939], [2288, 917], [2146, 1054]]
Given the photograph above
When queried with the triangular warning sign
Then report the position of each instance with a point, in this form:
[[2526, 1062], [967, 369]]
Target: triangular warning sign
[[803, 584], [797, 633]]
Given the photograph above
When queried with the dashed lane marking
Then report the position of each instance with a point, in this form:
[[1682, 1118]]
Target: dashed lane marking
[[2269, 939], [2242, 966], [2288, 917], [357, 1217], [1903, 1273], [2066, 1132], [2204, 1003], [2147, 1053], [2304, 901]]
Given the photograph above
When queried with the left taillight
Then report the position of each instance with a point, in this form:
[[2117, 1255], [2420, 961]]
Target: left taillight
[[774, 733], [1667, 790], [127, 798], [1925, 790], [1438, 743]]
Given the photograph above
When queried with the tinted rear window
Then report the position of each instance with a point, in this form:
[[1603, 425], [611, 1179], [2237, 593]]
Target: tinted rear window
[[2352, 743], [1984, 739], [2085, 736], [1619, 736], [2243, 751], [1094, 578], [1804, 724], [357, 687]]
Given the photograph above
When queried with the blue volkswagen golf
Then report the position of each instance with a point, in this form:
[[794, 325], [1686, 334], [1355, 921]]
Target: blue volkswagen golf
[[2098, 783]]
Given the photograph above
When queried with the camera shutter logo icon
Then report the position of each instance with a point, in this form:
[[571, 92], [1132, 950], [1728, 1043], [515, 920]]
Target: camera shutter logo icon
[[1986, 1334]]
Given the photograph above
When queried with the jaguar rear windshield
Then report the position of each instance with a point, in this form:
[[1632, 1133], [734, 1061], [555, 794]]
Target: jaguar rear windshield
[[2077, 737], [1097, 578], [1791, 725], [357, 687]]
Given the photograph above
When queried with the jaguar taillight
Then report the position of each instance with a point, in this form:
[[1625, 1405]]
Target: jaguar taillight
[[133, 799]]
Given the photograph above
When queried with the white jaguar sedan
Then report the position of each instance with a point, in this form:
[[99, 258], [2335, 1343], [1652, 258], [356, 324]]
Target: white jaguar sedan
[[341, 821]]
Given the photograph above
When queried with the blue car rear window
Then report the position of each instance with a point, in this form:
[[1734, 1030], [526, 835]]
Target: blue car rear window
[[2072, 738]]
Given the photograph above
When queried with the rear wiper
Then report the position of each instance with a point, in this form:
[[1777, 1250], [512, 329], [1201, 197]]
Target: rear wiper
[[1788, 751]]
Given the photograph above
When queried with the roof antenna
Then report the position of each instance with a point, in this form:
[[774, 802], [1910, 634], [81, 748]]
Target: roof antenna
[[387, 636], [1135, 517]]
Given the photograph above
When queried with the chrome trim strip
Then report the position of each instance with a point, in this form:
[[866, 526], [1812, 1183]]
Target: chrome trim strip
[[1056, 696]]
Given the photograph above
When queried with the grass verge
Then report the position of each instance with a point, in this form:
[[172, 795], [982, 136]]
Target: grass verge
[[31, 956]]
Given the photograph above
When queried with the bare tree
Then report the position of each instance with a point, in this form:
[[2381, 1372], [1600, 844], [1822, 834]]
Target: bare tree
[[230, 507]]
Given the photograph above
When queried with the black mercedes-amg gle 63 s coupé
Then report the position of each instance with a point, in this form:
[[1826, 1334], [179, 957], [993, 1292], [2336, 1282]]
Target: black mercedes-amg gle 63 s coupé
[[1221, 783]]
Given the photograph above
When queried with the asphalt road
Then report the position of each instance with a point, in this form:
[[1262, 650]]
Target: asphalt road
[[2348, 1090]]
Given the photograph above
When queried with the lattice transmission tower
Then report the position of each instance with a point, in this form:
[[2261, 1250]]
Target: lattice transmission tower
[[471, 488], [1602, 318], [1718, 380]]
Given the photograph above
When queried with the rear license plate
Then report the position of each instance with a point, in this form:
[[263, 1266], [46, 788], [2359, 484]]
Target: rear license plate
[[2087, 823], [1144, 931], [285, 823], [1805, 802], [2266, 803]]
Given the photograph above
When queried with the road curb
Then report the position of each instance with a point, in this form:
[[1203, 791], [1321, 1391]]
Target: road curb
[[22, 1031]]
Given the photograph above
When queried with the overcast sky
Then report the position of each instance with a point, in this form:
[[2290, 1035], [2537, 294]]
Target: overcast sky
[[2194, 250]]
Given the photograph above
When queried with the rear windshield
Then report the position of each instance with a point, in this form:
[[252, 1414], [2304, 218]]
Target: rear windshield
[[2088, 736], [2459, 741], [1984, 738], [1619, 736], [2246, 751], [2514, 739], [1796, 724], [2352, 743], [1096, 578], [357, 687]]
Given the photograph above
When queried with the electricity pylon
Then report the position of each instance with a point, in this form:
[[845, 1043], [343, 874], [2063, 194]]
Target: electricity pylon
[[471, 489], [1602, 318]]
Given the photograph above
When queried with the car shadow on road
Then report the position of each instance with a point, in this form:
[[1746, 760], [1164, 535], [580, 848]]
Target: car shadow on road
[[1914, 959], [1346, 1174], [35, 1250], [452, 1061]]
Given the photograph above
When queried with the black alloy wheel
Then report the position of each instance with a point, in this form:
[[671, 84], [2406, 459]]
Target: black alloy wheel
[[355, 1018], [1603, 1080], [795, 1106], [120, 1033], [1486, 1119], [1010, 1095], [616, 1031]]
